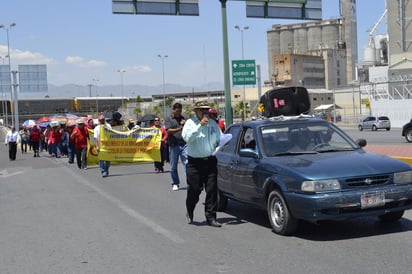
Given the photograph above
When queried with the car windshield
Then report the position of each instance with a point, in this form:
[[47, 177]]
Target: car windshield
[[301, 138]]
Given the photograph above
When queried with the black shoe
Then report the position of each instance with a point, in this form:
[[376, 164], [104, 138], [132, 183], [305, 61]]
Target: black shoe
[[189, 216], [213, 223]]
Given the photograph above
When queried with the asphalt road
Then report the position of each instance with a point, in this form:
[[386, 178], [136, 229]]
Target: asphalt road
[[58, 219]]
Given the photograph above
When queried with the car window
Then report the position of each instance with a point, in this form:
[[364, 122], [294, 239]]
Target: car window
[[230, 147], [383, 118], [284, 139], [248, 139]]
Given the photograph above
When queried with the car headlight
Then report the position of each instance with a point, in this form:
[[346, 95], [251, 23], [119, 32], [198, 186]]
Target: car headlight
[[402, 177], [320, 185]]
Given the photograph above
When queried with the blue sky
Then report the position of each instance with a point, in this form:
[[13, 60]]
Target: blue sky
[[81, 40]]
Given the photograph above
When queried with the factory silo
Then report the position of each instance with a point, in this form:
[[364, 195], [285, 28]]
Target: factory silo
[[348, 8], [286, 40], [273, 38], [330, 35], [300, 40], [314, 36]]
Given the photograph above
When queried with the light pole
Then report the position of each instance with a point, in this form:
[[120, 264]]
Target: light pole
[[97, 95], [15, 102], [121, 71], [243, 58], [164, 86]]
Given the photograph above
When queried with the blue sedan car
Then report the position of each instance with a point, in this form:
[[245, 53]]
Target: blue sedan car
[[304, 168]]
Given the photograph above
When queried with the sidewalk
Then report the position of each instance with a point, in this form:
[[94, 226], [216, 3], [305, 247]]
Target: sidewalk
[[403, 153]]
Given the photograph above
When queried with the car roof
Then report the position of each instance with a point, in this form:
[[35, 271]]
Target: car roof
[[279, 120]]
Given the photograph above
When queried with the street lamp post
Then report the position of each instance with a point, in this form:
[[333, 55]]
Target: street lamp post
[[15, 102], [121, 71], [164, 86], [243, 58], [97, 95]]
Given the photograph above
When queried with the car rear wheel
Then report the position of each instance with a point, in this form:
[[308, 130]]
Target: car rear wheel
[[388, 128], [391, 216], [280, 218], [360, 128], [408, 135], [374, 128], [221, 201]]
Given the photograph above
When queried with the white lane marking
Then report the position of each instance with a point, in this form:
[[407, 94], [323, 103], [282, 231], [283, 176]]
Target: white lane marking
[[131, 212], [4, 173]]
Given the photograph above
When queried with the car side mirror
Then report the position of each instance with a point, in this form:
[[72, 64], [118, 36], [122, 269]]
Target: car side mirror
[[249, 153], [361, 142]]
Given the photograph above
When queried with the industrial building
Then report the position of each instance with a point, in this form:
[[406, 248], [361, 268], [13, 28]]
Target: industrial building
[[334, 41]]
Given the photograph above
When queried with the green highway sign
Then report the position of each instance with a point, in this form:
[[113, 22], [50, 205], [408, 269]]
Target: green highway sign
[[243, 72]]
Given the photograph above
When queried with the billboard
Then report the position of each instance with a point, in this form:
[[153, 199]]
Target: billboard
[[156, 7], [285, 9], [32, 78], [5, 79]]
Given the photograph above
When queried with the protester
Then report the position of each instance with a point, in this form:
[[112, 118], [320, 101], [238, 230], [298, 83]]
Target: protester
[[213, 115], [25, 138], [54, 140], [177, 146], [46, 137], [202, 136], [159, 166], [80, 135], [104, 165], [71, 150], [12, 138], [35, 138], [90, 122]]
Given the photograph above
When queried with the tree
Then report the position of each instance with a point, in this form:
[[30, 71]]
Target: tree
[[239, 108]]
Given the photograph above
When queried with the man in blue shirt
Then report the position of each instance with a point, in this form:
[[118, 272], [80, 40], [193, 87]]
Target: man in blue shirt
[[202, 136]]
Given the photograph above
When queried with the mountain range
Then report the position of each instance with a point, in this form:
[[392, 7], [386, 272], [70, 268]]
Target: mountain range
[[132, 91]]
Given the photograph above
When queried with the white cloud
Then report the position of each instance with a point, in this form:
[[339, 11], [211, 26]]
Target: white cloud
[[140, 68], [80, 62], [25, 57]]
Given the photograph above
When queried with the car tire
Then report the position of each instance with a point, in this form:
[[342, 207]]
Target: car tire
[[222, 201], [374, 128], [360, 128], [391, 216], [280, 218], [387, 129], [408, 135]]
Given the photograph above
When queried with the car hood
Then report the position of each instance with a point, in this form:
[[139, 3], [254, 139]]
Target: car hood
[[340, 164]]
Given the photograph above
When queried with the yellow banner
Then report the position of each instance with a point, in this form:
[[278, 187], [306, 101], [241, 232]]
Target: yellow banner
[[140, 145]]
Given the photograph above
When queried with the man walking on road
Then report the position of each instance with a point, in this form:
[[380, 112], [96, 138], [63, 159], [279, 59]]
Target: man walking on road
[[177, 146], [12, 138], [202, 136]]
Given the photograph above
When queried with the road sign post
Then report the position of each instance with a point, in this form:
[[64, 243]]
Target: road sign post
[[243, 72]]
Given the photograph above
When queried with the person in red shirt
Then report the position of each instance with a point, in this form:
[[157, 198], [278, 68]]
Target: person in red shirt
[[35, 137], [163, 145], [213, 115], [55, 139], [80, 135]]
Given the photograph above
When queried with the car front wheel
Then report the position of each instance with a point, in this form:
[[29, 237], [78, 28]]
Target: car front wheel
[[280, 218], [391, 216], [408, 135], [374, 128], [360, 128]]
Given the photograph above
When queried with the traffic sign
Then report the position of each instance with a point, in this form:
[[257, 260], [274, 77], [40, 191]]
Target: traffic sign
[[243, 72]]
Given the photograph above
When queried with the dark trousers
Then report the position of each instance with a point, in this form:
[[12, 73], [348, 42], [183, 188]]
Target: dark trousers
[[81, 157], [12, 150], [201, 173], [35, 148]]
